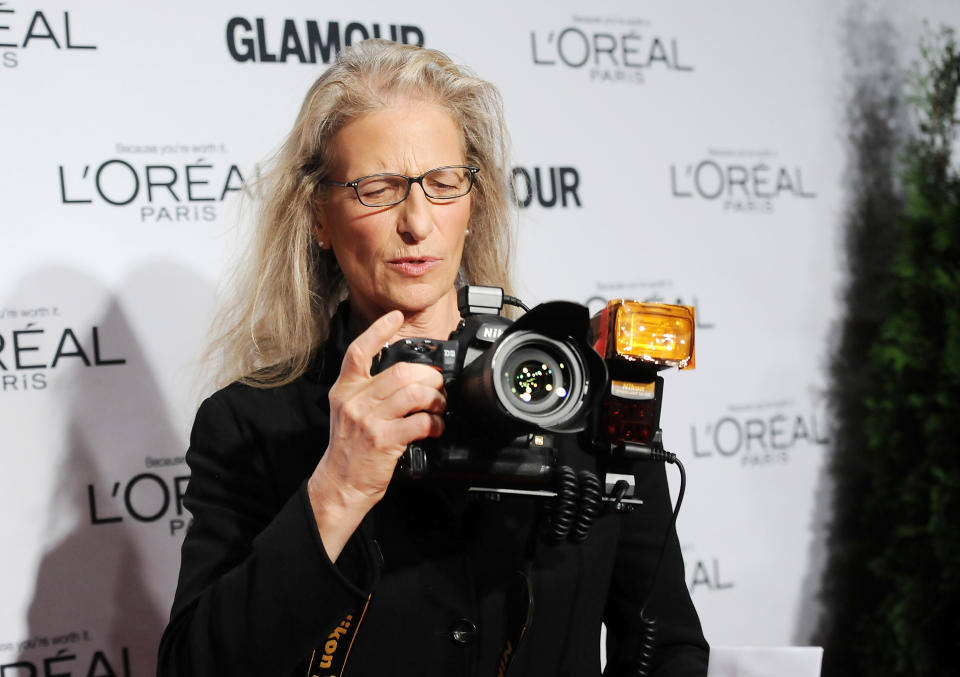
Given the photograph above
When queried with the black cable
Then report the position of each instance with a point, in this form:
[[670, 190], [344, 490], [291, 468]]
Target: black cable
[[565, 505], [670, 527], [514, 301], [648, 625], [619, 491], [591, 502], [648, 641]]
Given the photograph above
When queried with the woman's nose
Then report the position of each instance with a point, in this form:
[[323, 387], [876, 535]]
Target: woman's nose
[[414, 221]]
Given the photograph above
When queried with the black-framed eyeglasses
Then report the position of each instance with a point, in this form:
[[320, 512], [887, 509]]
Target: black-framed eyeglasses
[[383, 190]]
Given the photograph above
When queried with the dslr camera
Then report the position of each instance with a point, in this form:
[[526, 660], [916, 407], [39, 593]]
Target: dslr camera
[[514, 386]]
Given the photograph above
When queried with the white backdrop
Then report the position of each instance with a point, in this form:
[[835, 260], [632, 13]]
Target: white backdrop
[[683, 152]]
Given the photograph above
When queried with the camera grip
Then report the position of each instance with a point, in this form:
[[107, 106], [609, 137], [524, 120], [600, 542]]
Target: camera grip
[[438, 354]]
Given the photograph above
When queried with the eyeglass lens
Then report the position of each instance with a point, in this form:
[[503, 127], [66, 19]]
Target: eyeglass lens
[[442, 183]]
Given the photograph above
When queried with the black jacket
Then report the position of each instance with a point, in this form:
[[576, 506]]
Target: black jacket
[[432, 583]]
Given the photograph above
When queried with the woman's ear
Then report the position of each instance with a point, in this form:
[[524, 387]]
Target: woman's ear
[[319, 217], [318, 236]]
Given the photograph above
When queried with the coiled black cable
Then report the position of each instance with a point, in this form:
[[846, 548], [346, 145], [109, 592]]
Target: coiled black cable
[[571, 514], [648, 641], [591, 501], [564, 507]]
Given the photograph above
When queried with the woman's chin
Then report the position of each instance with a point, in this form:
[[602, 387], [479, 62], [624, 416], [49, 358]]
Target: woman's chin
[[422, 303], [421, 297], [416, 298]]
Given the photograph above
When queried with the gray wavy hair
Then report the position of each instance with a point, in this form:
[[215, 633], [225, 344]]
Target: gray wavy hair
[[288, 288]]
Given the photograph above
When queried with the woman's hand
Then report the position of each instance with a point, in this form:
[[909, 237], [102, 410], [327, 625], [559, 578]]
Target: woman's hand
[[372, 420]]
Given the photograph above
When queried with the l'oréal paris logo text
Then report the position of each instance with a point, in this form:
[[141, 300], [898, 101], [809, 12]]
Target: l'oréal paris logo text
[[151, 178], [35, 343], [310, 41], [703, 573], [63, 655], [740, 181], [651, 291], [608, 49], [147, 497], [36, 29], [760, 434]]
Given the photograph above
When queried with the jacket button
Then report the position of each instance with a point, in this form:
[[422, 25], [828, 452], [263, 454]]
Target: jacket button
[[463, 631]]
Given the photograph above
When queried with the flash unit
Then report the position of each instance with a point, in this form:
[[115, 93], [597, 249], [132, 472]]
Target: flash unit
[[655, 333], [637, 340]]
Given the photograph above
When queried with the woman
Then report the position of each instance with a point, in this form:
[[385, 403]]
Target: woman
[[302, 557]]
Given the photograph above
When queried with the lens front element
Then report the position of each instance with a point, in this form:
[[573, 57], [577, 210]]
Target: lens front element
[[540, 380], [533, 381], [537, 378]]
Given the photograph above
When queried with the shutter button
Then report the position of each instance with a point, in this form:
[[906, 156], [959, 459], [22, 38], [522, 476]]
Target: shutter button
[[463, 631]]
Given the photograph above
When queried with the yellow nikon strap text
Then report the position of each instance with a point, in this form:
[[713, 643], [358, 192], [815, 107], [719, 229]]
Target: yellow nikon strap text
[[330, 659]]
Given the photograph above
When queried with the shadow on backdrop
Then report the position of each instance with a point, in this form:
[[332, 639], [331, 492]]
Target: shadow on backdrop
[[104, 584]]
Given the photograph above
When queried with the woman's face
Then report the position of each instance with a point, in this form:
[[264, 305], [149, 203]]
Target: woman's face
[[405, 255]]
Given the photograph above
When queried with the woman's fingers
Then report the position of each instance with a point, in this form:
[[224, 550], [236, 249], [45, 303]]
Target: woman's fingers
[[360, 353], [403, 375], [421, 425], [381, 426], [374, 418], [409, 399]]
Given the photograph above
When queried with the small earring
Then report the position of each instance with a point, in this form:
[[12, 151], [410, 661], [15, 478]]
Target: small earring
[[466, 232], [320, 242]]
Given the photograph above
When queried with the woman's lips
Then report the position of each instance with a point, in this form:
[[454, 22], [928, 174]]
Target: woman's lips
[[414, 266]]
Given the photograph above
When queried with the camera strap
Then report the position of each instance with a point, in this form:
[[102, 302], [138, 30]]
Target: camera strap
[[519, 610]]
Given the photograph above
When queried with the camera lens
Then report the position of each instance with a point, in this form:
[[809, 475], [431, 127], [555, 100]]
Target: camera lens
[[539, 380], [534, 381]]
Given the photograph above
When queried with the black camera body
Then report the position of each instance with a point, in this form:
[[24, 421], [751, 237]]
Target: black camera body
[[511, 387]]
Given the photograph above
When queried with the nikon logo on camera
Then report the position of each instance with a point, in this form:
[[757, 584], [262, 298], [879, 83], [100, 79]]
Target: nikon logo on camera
[[740, 181], [608, 49], [310, 41], [491, 333]]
